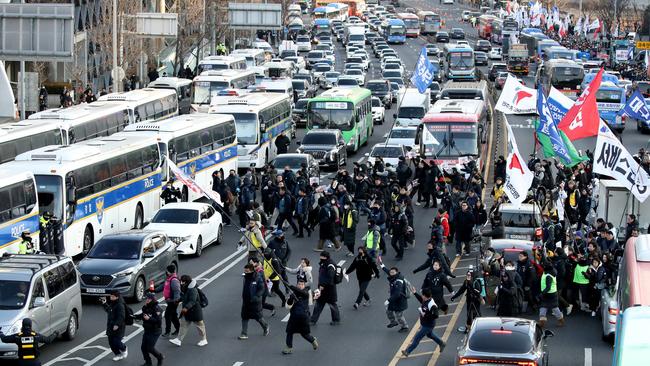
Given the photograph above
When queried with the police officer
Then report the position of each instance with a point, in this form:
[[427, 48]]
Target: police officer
[[27, 341], [170, 194], [26, 246], [45, 232]]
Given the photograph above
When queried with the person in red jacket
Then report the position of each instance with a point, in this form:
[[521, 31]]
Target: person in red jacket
[[444, 221]]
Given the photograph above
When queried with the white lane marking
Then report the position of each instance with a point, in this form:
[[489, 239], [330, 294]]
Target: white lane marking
[[286, 318], [587, 356], [341, 263], [85, 345], [238, 363]]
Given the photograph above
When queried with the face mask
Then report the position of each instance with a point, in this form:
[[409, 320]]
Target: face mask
[[346, 207]]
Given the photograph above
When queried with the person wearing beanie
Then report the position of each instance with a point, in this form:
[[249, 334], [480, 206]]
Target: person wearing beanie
[[192, 312], [172, 295], [326, 292], [116, 324], [28, 341], [151, 317], [549, 296]]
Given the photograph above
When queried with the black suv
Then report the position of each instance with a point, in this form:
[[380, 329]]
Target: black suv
[[457, 33], [382, 90], [326, 146]]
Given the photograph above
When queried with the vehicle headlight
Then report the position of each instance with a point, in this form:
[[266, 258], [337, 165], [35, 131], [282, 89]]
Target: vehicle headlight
[[332, 154], [125, 273], [253, 155], [180, 239], [15, 328]]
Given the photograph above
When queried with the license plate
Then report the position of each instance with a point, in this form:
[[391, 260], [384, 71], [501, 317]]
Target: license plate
[[95, 290], [522, 237]]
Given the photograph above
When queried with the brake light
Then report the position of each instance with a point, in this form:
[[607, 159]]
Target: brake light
[[500, 331], [538, 232], [469, 361], [613, 311]]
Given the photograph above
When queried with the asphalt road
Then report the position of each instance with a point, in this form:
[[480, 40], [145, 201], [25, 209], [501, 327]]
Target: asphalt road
[[362, 337]]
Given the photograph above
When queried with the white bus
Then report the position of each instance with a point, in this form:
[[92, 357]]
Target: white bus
[[96, 187], [18, 208], [198, 144], [232, 62], [146, 104], [260, 118], [209, 83], [19, 137], [183, 89], [253, 56]]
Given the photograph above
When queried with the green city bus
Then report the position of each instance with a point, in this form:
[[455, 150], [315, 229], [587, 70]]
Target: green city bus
[[345, 109]]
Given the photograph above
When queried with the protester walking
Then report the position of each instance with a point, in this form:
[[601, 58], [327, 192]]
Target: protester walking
[[116, 324], [472, 289], [428, 314], [298, 322], [366, 268], [397, 300], [151, 317], [192, 312], [252, 292], [326, 292], [172, 296]]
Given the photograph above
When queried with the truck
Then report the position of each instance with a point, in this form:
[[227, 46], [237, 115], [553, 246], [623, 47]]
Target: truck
[[518, 59], [615, 201], [355, 34]]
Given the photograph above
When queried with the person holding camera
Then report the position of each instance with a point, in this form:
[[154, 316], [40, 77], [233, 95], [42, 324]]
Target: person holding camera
[[151, 317]]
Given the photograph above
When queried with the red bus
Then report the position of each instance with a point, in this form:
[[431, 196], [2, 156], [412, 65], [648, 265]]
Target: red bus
[[485, 26]]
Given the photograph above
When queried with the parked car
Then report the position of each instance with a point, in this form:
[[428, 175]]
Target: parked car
[[389, 153], [378, 111], [442, 37], [326, 146], [192, 226], [43, 288], [512, 341], [126, 262]]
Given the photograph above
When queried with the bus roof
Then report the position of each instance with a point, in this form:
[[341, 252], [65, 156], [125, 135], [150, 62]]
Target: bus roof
[[450, 117], [219, 75], [221, 59], [407, 16], [321, 21], [458, 106], [81, 110], [189, 122], [252, 100], [355, 95], [247, 51], [28, 127], [395, 22], [138, 95], [169, 82], [560, 62], [531, 30], [10, 176]]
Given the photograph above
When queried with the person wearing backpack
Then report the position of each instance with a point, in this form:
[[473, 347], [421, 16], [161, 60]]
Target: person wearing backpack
[[285, 206], [115, 307], [192, 311], [428, 314], [151, 317], [326, 292], [397, 301], [472, 289]]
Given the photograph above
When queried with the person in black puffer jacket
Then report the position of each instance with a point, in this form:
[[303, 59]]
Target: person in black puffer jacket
[[115, 324], [151, 317], [366, 268], [192, 312], [299, 316]]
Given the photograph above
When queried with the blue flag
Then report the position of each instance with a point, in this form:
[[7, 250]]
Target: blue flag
[[636, 107], [548, 127], [423, 73]]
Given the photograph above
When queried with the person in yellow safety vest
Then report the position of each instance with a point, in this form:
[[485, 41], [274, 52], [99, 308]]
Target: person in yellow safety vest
[[221, 49], [28, 341], [350, 219], [253, 239], [26, 246], [549, 296], [273, 270], [372, 238], [581, 282]]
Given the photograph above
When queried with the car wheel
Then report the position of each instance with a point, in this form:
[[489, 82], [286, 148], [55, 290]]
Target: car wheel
[[88, 240], [71, 329], [138, 290], [220, 235], [199, 247]]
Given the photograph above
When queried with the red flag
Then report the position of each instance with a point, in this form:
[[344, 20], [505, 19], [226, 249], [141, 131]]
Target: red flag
[[582, 119]]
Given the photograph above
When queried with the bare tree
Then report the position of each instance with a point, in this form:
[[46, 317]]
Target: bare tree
[[610, 11]]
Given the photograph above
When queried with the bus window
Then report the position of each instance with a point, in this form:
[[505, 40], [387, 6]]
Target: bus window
[[218, 136], [118, 170], [5, 205], [134, 163], [194, 144], [18, 201]]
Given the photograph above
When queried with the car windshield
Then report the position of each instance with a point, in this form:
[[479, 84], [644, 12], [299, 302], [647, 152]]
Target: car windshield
[[392, 66], [450, 139], [176, 216], [13, 294], [410, 112], [116, 248], [497, 342], [337, 115], [403, 133], [202, 91], [347, 81], [386, 152], [319, 139], [246, 124], [322, 68], [303, 39], [293, 162], [313, 55], [332, 75], [518, 219], [391, 74], [609, 96], [463, 59], [444, 34], [377, 87], [301, 104], [354, 72], [376, 102], [298, 85]]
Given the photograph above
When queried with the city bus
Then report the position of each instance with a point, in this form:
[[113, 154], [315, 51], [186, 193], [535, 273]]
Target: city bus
[[18, 208], [503, 28], [345, 109], [565, 75], [355, 7], [411, 22], [610, 98], [209, 83], [146, 104], [460, 63], [259, 119], [254, 56], [183, 88], [632, 337], [18, 137], [485, 26], [232, 62], [429, 22], [198, 144], [96, 187], [454, 133], [394, 31], [531, 39], [321, 26], [326, 12]]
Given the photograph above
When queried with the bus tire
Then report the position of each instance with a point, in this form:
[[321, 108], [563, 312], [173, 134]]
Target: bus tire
[[138, 223], [185, 195], [88, 240]]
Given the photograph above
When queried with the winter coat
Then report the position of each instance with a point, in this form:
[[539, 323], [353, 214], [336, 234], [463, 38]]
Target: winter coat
[[192, 303], [153, 325], [397, 300], [116, 311], [349, 234], [506, 296], [464, 225], [252, 296], [299, 313], [365, 267], [436, 281], [303, 273], [327, 280]]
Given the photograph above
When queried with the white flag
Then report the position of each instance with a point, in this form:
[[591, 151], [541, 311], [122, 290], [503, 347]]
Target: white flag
[[516, 98], [183, 178], [612, 159], [518, 177]]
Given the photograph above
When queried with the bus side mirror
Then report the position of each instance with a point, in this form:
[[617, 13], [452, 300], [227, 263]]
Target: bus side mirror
[[71, 193]]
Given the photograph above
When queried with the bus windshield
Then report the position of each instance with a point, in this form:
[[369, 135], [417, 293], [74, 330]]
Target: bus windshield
[[332, 115], [247, 131], [50, 194], [461, 59], [566, 76], [450, 139], [411, 23], [206, 67], [396, 30], [609, 96], [203, 90]]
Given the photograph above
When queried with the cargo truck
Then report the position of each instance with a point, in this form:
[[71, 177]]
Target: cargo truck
[[518, 59]]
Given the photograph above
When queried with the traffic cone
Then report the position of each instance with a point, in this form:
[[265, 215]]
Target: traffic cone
[[152, 288]]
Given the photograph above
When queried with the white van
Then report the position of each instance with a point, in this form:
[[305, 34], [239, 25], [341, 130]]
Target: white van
[[277, 85], [413, 107]]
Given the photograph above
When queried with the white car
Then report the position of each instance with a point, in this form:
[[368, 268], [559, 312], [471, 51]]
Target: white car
[[392, 66], [299, 61], [365, 61], [303, 43], [378, 111], [359, 75], [319, 69], [192, 226], [402, 135], [346, 81], [329, 55], [390, 154], [495, 53]]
